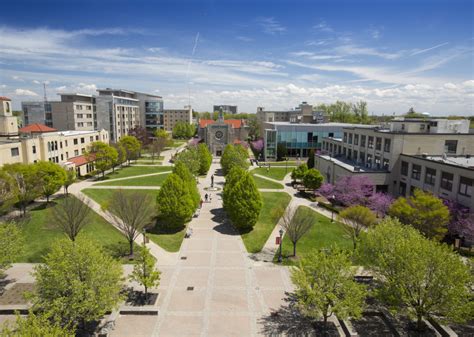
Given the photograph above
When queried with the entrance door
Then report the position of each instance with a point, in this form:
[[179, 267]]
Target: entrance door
[[218, 153]]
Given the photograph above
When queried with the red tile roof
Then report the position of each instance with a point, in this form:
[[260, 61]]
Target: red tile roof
[[235, 123], [3, 98], [36, 128], [81, 160]]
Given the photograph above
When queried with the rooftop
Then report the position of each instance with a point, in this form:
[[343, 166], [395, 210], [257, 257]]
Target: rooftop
[[36, 128], [73, 94], [3, 98], [235, 123], [466, 161], [331, 124], [352, 166]]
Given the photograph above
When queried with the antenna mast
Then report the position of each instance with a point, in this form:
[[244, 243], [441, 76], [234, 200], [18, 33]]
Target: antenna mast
[[45, 98]]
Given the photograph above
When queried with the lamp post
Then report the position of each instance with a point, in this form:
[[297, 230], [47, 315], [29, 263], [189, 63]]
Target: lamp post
[[332, 209], [281, 241], [286, 171]]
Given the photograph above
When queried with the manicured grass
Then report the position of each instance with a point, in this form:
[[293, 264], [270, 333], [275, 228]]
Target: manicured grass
[[169, 241], [156, 180], [40, 233], [130, 171], [265, 183], [147, 162], [102, 196], [323, 234], [274, 203], [176, 143], [147, 158], [277, 173]]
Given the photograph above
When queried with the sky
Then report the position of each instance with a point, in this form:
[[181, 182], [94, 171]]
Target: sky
[[276, 54]]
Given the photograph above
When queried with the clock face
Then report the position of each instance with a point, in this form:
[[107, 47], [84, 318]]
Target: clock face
[[219, 134]]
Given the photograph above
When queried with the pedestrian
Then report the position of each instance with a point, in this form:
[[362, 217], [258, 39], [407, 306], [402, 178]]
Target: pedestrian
[[212, 180], [210, 197], [205, 197], [200, 203]]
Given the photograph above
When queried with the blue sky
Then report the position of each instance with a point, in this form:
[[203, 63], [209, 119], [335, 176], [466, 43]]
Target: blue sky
[[393, 54]]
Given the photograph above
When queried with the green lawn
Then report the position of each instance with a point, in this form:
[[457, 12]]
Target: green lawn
[[147, 162], [274, 203], [148, 158], [176, 143], [142, 181], [265, 183], [170, 241], [102, 196], [40, 233], [277, 173], [323, 234], [130, 171]]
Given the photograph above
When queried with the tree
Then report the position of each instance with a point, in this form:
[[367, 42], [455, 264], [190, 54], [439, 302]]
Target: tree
[[175, 204], [325, 286], [52, 177], [8, 191], [244, 202], [460, 224], [77, 283], [357, 219], [424, 211], [162, 138], [282, 151], [353, 190], [187, 177], [419, 276], [296, 225], [70, 179], [183, 130], [38, 324], [254, 127], [71, 215], [205, 158], [141, 134], [121, 155], [299, 172], [326, 190], [11, 244], [380, 203], [104, 156], [191, 159], [361, 113], [132, 147], [155, 148], [310, 161], [257, 147], [231, 179], [133, 212], [144, 271], [234, 155], [312, 179], [26, 180]]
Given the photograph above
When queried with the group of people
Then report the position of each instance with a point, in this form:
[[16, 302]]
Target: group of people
[[207, 198]]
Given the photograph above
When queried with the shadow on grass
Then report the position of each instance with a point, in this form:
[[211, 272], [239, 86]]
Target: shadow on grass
[[161, 227]]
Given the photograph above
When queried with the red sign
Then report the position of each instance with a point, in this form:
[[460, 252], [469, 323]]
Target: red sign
[[277, 240]]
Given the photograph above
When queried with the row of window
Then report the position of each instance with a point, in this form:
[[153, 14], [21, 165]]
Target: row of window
[[465, 184], [83, 107], [350, 138], [82, 115], [82, 124]]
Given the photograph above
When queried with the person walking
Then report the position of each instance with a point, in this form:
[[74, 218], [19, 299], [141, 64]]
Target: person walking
[[210, 197], [205, 197]]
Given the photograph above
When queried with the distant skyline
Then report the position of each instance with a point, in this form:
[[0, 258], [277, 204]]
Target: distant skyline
[[392, 54]]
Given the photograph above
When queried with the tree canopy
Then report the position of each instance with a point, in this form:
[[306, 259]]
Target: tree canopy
[[11, 244], [132, 147], [104, 156], [357, 219], [312, 179], [205, 158], [183, 130], [51, 177], [234, 155], [144, 270]]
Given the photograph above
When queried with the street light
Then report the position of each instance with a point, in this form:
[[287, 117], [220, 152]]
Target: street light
[[281, 240], [332, 209], [286, 171]]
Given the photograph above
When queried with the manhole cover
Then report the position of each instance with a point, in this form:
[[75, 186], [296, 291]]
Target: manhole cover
[[190, 288], [184, 258]]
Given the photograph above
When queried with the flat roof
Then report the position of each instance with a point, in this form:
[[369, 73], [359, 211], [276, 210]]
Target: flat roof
[[73, 94], [351, 166], [466, 161], [322, 124]]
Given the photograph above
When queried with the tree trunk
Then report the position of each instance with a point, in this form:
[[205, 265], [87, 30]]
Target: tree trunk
[[146, 293], [419, 322], [131, 247], [47, 199], [354, 242], [294, 249]]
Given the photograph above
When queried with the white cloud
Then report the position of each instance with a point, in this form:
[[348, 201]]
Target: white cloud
[[375, 33], [36, 82], [154, 50], [25, 92], [323, 27], [421, 51], [270, 25]]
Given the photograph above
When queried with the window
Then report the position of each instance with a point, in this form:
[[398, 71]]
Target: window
[[377, 162], [75, 141], [345, 137], [465, 186], [350, 138], [88, 107], [79, 107], [356, 155], [402, 190], [422, 126], [80, 115], [362, 157], [386, 145], [430, 176], [362, 141], [15, 152], [450, 146], [76, 152], [378, 144], [404, 168], [447, 181], [96, 137], [82, 140], [371, 142], [356, 139], [416, 172], [89, 116], [34, 149], [385, 163], [403, 127]]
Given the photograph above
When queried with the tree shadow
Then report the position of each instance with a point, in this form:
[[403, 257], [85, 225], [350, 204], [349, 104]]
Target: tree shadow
[[219, 172], [224, 226], [288, 321]]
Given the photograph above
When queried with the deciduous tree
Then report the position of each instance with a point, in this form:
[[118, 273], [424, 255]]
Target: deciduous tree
[[38, 324], [310, 161], [26, 180], [11, 244], [70, 179], [282, 151], [205, 158], [121, 155], [296, 225], [144, 270], [424, 211], [325, 286], [357, 219], [420, 277], [132, 147], [51, 177], [312, 179], [298, 173], [380, 203], [103, 155], [133, 212], [71, 215], [8, 191], [191, 159], [234, 155], [77, 283], [189, 181]]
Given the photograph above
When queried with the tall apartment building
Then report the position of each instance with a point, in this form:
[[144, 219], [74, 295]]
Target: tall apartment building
[[226, 109], [118, 112], [37, 112], [173, 116], [151, 111], [433, 154], [74, 112], [301, 114], [36, 142]]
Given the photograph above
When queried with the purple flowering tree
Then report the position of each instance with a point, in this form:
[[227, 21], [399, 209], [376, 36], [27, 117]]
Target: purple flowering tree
[[380, 203], [461, 223], [353, 190], [257, 147], [326, 190]]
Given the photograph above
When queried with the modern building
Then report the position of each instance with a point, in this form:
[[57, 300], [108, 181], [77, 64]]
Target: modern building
[[301, 114], [118, 112], [173, 116], [74, 112], [151, 111], [227, 109], [299, 138], [217, 134], [37, 112], [404, 154]]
